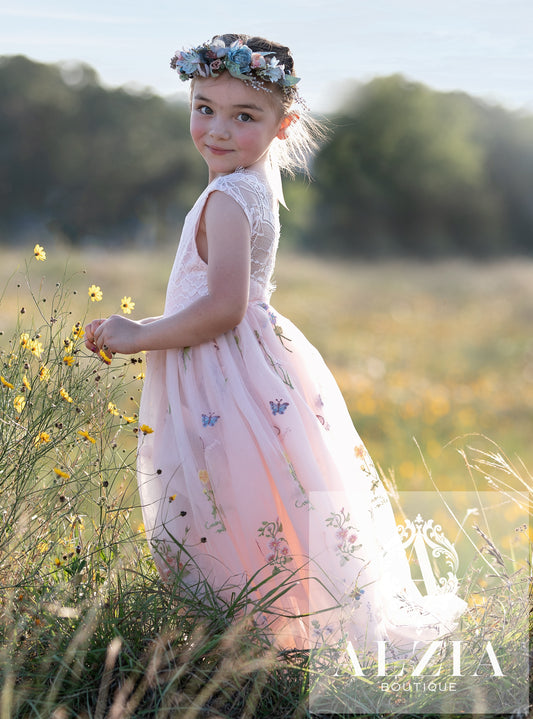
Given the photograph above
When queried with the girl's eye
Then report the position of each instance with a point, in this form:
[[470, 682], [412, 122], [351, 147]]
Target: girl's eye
[[204, 110], [244, 117]]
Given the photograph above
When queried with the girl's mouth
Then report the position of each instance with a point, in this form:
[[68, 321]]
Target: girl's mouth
[[217, 150]]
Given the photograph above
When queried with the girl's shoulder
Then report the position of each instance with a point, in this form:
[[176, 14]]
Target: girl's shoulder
[[251, 190], [241, 178]]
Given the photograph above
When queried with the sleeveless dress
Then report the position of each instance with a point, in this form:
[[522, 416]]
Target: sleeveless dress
[[254, 472]]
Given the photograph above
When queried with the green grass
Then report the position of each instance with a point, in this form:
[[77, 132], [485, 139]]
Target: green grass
[[441, 353]]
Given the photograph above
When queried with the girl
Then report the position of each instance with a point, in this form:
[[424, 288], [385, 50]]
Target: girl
[[249, 466]]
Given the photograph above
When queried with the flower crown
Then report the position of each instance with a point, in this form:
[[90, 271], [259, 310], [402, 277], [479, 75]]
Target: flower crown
[[210, 60]]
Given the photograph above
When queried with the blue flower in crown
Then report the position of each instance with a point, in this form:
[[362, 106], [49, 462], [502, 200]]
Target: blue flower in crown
[[238, 59], [189, 61]]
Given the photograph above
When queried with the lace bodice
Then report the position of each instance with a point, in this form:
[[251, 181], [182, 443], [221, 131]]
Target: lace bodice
[[188, 279]]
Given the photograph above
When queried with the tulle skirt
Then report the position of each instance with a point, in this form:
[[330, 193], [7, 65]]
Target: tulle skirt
[[250, 470]]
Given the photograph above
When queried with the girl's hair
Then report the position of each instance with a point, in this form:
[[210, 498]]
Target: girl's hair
[[304, 133]]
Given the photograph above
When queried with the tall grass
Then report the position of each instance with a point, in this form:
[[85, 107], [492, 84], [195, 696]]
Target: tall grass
[[87, 627]]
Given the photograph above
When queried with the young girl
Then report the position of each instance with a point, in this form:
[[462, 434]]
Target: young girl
[[249, 465]]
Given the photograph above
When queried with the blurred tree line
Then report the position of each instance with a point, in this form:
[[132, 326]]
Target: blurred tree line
[[404, 170], [85, 161], [408, 170]]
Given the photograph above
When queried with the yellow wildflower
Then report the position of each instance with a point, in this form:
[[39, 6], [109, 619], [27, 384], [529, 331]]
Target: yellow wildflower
[[36, 348], [26, 383], [68, 345], [69, 360], [105, 357], [203, 476], [24, 339], [171, 498], [39, 252], [78, 331], [19, 403], [95, 293], [131, 419], [63, 392], [7, 384], [60, 473], [140, 376], [145, 429], [42, 438], [44, 373], [127, 305], [112, 408], [74, 520], [87, 436]]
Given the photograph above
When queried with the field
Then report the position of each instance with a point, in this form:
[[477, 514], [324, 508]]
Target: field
[[436, 364], [429, 352], [432, 352]]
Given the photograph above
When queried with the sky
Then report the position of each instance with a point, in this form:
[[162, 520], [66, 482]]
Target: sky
[[483, 47]]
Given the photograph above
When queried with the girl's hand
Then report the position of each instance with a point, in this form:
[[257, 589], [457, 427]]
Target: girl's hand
[[118, 334], [90, 329]]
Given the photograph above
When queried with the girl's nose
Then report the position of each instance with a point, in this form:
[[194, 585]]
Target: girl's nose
[[219, 129]]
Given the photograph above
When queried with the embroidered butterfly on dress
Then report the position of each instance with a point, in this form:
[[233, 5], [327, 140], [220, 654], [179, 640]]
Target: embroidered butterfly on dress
[[323, 422], [209, 420], [278, 406]]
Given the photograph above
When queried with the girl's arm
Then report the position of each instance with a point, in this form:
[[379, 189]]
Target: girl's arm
[[91, 328], [228, 278], [146, 320]]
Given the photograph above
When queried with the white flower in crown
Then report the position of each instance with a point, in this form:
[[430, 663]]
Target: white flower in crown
[[274, 71]]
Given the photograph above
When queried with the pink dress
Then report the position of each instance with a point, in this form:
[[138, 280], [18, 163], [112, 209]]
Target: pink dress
[[254, 470]]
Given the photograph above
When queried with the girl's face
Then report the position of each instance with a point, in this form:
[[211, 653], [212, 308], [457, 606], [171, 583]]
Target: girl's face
[[233, 124]]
